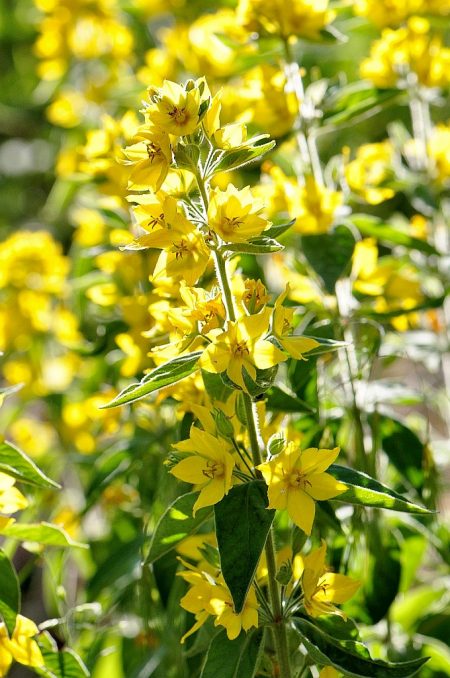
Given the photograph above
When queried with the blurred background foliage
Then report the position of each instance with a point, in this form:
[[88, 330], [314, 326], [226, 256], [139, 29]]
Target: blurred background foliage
[[74, 309]]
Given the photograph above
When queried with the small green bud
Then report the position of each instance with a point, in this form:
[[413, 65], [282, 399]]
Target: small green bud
[[223, 424], [276, 444]]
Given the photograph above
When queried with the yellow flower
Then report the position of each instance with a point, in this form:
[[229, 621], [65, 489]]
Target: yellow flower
[[322, 588], [439, 151], [185, 255], [240, 347], [296, 479], [305, 18], [235, 215], [174, 110], [282, 328], [151, 156], [394, 12], [409, 49], [371, 169], [203, 308], [209, 466], [329, 672], [209, 595], [11, 500], [222, 604], [315, 207], [20, 647]]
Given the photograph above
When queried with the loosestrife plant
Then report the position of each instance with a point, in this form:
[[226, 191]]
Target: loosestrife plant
[[255, 487]]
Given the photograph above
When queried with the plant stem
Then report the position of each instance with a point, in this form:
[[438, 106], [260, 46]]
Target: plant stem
[[279, 626]]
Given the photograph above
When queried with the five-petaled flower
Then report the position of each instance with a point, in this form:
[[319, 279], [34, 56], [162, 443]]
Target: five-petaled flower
[[322, 588], [209, 465], [235, 215], [241, 347], [296, 479], [174, 109]]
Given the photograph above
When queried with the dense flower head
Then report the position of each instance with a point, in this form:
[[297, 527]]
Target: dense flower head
[[394, 12]]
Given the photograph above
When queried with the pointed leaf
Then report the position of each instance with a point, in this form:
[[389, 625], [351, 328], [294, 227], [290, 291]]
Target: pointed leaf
[[242, 156], [41, 533], [278, 229], [366, 491], [374, 227], [176, 523], [242, 525], [9, 593], [59, 664], [348, 656], [164, 375], [233, 658], [329, 254], [262, 245], [16, 464]]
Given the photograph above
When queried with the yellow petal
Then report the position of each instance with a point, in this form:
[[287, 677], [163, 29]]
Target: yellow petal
[[314, 460], [297, 346], [301, 509], [214, 358], [266, 354], [190, 470], [323, 486], [211, 494], [257, 325], [339, 588]]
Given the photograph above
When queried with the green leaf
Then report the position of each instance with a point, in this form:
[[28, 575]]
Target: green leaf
[[215, 387], [233, 658], [365, 491], [63, 664], [395, 440], [329, 254], [280, 400], [176, 523], [384, 565], [374, 227], [348, 656], [16, 464], [242, 156], [354, 99], [164, 375], [278, 229], [9, 593], [41, 533], [261, 245], [242, 526], [263, 381]]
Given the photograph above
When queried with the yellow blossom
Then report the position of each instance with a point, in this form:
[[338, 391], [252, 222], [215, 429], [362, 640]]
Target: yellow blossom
[[368, 173], [296, 479], [329, 672], [222, 604], [150, 156], [235, 215], [208, 466], [322, 588], [282, 328], [21, 647], [174, 109], [411, 49], [241, 347], [315, 208], [394, 12], [439, 151], [305, 18], [11, 499]]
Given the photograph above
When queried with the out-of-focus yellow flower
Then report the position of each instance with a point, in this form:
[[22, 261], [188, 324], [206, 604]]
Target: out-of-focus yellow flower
[[68, 109], [322, 588], [410, 51], [329, 672], [209, 466], [370, 170], [33, 436], [21, 647], [296, 479], [240, 347], [87, 425], [394, 12], [33, 260], [439, 151], [11, 499], [235, 215], [305, 18], [316, 208]]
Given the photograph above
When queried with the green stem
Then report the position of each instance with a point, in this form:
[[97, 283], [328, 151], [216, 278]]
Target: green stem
[[279, 627]]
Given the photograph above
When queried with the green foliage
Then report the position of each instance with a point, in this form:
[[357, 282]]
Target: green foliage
[[233, 658], [16, 464], [242, 525], [9, 593]]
